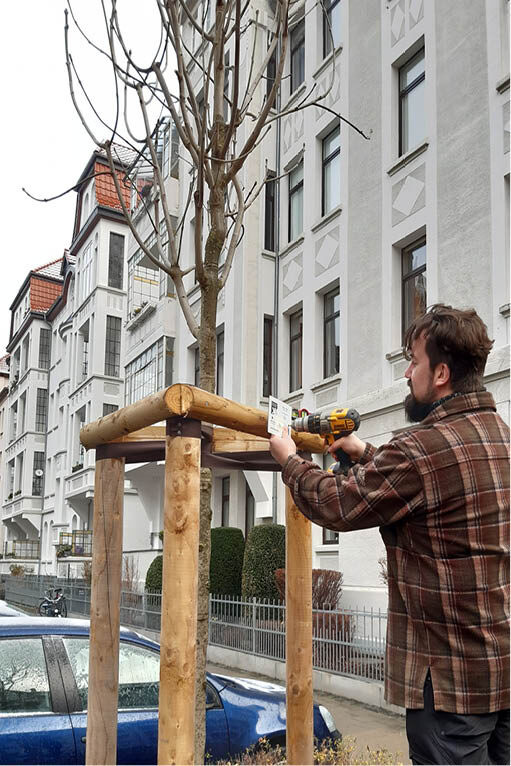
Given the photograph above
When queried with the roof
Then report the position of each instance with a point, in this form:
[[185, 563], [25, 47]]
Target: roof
[[51, 269], [123, 154], [43, 293], [4, 367], [106, 193]]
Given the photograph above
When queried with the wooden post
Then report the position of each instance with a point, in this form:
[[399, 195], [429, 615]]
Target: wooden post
[[101, 742], [299, 705], [176, 730]]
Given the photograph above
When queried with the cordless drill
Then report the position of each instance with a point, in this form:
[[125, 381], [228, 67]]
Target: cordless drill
[[333, 425]]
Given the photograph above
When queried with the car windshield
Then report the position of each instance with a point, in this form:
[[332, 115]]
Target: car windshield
[[139, 673]]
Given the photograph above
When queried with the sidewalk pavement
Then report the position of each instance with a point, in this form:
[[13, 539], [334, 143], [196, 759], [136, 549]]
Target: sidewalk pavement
[[368, 725]]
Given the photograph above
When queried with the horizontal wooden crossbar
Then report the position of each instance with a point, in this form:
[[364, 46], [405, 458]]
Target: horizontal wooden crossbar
[[190, 402]]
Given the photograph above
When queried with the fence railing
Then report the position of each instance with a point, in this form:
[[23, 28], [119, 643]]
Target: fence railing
[[21, 549], [345, 641]]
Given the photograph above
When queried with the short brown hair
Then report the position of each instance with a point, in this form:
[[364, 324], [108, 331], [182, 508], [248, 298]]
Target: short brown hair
[[457, 338]]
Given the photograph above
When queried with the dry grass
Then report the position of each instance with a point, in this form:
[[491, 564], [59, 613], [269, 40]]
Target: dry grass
[[341, 752]]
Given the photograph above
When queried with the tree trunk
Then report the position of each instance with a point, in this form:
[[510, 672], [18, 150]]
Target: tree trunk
[[207, 354]]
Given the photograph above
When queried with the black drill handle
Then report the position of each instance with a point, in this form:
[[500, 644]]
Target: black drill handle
[[344, 462]]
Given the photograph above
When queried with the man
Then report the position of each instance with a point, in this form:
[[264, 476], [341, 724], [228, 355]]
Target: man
[[440, 494]]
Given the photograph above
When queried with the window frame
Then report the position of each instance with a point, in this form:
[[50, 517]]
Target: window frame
[[116, 260], [113, 333], [296, 339], [267, 355], [44, 360], [269, 211], [329, 44], [412, 274], [332, 317], [296, 46], [296, 189], [325, 163], [404, 92]]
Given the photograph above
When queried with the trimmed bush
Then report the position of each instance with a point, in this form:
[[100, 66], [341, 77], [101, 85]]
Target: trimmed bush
[[265, 551], [226, 563], [153, 578]]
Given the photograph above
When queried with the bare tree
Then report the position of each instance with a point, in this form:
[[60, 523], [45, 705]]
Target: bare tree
[[220, 115]]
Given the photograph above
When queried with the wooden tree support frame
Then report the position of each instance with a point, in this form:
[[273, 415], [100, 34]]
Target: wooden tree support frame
[[129, 435]]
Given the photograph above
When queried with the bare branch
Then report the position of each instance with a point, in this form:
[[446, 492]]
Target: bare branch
[[235, 235]]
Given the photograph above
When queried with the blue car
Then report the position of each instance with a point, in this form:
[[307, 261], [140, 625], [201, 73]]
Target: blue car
[[44, 667]]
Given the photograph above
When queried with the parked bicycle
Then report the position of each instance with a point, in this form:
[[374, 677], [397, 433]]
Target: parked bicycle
[[53, 605]]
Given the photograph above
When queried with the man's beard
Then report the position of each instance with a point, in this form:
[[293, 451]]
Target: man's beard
[[416, 411]]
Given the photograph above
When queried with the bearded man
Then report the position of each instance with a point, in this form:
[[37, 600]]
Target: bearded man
[[439, 492]]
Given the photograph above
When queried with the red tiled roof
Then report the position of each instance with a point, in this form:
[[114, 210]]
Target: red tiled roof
[[105, 188], [43, 293]]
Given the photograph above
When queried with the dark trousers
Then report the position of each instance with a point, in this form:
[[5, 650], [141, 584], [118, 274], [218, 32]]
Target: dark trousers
[[437, 737]]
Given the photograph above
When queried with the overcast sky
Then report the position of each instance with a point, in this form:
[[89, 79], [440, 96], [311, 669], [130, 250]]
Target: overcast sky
[[45, 147]]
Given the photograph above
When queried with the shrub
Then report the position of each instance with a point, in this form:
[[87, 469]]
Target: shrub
[[17, 570], [226, 563], [326, 587], [153, 578], [265, 551]]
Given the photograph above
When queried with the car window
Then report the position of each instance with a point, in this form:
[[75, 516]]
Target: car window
[[139, 673], [212, 698], [24, 685]]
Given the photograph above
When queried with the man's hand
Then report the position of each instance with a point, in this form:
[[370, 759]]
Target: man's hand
[[352, 446], [281, 447]]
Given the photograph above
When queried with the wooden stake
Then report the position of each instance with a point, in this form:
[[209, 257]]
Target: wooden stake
[[101, 742], [299, 705], [179, 598]]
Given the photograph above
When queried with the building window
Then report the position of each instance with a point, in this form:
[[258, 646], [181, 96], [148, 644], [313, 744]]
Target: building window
[[143, 281], [113, 346], [109, 408], [116, 260], [331, 171], [168, 150], [196, 366], [44, 348], [331, 333], [269, 212], [297, 55], [295, 212], [331, 25], [249, 510], [271, 72], [295, 345], [220, 363], [267, 355], [330, 537], [14, 421], [414, 299], [87, 273], [226, 486], [25, 356], [412, 118], [41, 410], [38, 473], [149, 372]]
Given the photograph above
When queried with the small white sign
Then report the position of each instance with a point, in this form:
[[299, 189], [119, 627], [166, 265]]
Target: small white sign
[[279, 416]]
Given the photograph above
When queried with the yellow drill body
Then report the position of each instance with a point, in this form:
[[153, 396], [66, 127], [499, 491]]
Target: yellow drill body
[[332, 426]]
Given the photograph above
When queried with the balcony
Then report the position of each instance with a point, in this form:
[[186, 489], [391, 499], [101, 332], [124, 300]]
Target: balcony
[[78, 543], [21, 549]]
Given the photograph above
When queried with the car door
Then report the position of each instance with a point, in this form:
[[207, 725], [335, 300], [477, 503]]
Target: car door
[[137, 730], [35, 727]]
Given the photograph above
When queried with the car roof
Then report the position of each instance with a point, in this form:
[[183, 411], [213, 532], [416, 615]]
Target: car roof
[[29, 625]]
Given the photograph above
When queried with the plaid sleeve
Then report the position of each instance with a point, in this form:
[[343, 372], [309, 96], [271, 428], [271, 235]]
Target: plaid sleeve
[[381, 489]]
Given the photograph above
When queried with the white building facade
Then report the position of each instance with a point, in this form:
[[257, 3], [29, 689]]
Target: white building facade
[[355, 237]]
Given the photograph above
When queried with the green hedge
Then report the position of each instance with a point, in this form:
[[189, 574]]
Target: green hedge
[[265, 551], [226, 563], [153, 578]]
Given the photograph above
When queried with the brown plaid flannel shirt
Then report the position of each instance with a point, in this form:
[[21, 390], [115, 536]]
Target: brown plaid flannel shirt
[[440, 494]]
